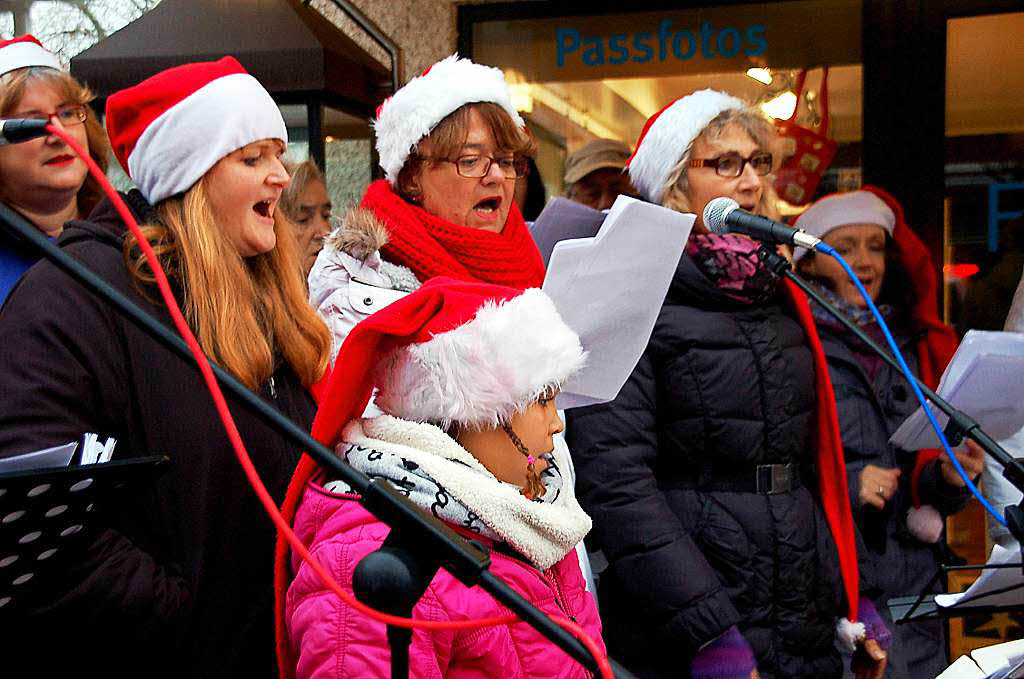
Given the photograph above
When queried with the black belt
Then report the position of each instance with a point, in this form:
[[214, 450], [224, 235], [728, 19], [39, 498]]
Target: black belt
[[766, 479]]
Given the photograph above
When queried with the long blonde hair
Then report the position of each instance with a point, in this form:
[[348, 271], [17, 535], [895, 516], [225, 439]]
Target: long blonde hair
[[243, 310], [12, 88], [760, 129]]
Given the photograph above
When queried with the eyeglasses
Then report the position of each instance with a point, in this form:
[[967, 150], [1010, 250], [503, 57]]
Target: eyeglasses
[[72, 114], [731, 164], [475, 166]]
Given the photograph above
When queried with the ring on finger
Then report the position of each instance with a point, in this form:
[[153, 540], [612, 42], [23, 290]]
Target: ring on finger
[[881, 491]]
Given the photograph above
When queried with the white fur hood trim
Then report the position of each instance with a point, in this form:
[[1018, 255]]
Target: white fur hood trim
[[542, 532]]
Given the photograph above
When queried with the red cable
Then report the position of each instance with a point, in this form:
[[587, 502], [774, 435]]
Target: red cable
[[243, 456]]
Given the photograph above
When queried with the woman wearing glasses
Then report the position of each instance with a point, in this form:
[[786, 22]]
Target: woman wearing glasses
[[451, 146], [701, 475], [42, 179]]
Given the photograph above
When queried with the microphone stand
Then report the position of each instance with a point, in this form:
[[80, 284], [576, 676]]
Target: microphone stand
[[960, 424], [423, 543]]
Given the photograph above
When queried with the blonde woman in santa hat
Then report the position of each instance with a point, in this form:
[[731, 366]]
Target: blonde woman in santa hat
[[42, 179], [899, 499], [466, 374], [715, 478], [177, 582], [451, 145]]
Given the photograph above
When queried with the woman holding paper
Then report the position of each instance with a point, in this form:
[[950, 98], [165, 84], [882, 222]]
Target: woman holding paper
[[715, 478], [42, 179], [899, 498], [451, 145], [178, 581]]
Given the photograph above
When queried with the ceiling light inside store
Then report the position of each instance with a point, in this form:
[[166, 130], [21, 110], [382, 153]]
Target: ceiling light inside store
[[781, 106], [521, 98], [761, 75]]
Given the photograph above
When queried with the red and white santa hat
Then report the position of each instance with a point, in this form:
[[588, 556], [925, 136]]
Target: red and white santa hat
[[452, 351], [414, 110], [171, 128], [667, 136], [842, 209], [23, 52]]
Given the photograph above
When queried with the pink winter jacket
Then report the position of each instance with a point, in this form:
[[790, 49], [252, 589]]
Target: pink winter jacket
[[332, 640]]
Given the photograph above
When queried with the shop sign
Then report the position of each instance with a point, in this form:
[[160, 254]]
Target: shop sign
[[701, 40]]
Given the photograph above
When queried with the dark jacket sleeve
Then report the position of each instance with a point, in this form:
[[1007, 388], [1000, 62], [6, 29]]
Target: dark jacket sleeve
[[62, 373], [936, 492], [664, 574]]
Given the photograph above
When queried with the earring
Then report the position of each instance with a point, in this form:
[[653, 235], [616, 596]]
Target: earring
[[534, 487]]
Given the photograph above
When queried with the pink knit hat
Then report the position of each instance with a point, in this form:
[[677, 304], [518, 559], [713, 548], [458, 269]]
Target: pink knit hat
[[841, 209], [171, 128]]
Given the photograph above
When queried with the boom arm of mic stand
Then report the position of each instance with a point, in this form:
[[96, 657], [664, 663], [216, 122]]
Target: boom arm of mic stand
[[960, 423], [456, 554]]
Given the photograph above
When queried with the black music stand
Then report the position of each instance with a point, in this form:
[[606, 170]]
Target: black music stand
[[47, 515]]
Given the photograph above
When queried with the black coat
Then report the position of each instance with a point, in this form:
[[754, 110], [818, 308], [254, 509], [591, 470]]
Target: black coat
[[892, 561], [723, 386], [181, 581]]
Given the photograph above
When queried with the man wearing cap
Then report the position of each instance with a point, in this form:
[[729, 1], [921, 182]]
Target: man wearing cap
[[594, 176]]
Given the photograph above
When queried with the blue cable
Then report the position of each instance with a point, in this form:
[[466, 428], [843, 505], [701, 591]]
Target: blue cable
[[829, 250]]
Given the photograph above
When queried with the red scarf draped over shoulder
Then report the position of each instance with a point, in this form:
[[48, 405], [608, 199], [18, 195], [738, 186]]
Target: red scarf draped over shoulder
[[939, 343], [835, 498], [432, 246]]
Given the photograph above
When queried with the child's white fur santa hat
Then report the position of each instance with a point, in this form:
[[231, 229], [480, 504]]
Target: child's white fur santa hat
[[23, 52], [415, 109], [171, 128], [452, 351], [667, 135]]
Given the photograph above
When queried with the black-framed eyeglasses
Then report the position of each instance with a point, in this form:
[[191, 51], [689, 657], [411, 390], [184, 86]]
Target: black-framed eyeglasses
[[731, 164], [475, 165], [72, 114]]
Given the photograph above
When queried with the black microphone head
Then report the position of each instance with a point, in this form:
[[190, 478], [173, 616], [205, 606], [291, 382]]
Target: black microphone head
[[716, 211]]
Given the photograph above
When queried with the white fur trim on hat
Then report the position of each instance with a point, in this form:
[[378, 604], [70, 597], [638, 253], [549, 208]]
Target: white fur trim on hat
[[669, 137], [841, 209], [187, 139], [415, 109], [484, 371], [25, 54]]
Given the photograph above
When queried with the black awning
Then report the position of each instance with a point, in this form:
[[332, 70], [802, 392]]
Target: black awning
[[290, 48]]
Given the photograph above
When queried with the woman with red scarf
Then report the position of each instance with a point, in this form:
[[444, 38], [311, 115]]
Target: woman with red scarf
[[451, 145]]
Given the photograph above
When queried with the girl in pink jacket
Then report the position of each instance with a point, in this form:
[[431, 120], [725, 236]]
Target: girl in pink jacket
[[466, 374]]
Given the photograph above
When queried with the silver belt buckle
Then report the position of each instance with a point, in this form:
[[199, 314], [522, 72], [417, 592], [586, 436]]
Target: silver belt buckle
[[774, 478]]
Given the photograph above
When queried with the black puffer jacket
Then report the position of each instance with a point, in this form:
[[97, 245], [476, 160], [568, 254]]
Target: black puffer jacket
[[722, 387], [181, 582]]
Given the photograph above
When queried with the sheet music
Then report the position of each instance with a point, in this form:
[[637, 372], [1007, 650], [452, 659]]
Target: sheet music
[[1002, 661], [995, 586], [610, 288], [984, 380], [564, 219], [57, 456]]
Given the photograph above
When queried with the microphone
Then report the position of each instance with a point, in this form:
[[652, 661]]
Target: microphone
[[17, 130], [723, 215]]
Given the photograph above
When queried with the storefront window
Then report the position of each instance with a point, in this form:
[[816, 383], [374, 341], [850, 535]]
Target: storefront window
[[577, 78], [984, 229]]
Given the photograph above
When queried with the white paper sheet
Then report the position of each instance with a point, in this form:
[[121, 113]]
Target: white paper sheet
[[610, 288], [48, 458], [1001, 661], [985, 379], [987, 590]]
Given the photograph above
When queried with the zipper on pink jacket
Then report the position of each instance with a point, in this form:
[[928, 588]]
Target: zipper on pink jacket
[[560, 599]]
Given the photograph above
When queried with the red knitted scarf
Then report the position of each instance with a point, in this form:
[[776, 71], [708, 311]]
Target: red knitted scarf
[[432, 246]]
